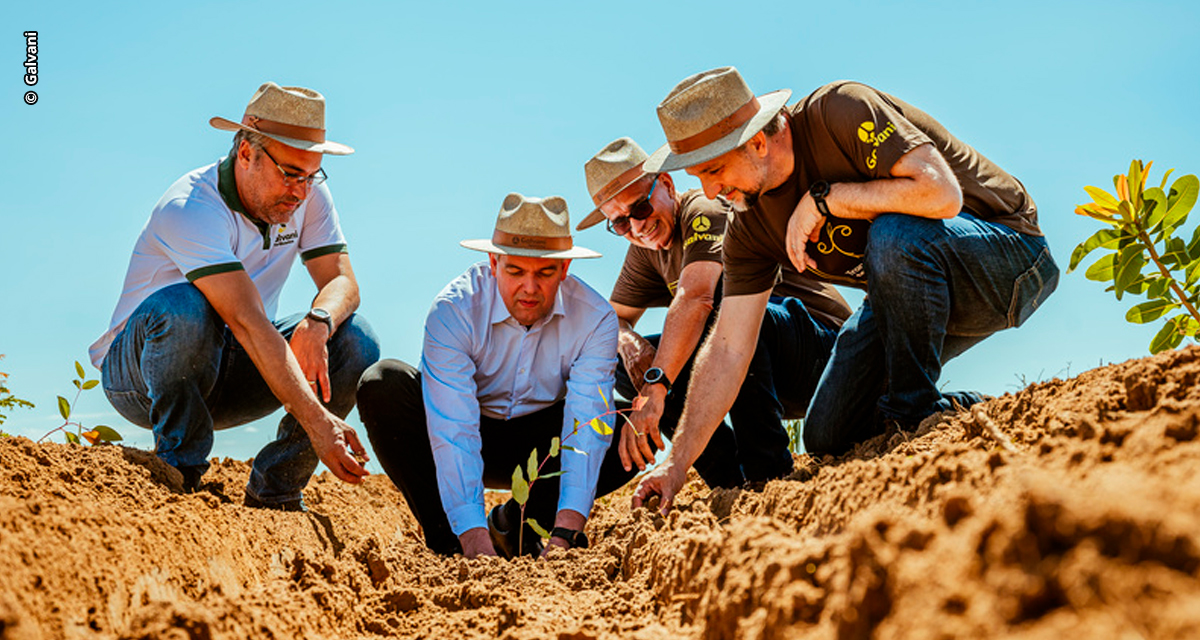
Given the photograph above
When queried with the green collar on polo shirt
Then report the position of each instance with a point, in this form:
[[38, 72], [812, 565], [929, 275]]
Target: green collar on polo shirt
[[227, 186]]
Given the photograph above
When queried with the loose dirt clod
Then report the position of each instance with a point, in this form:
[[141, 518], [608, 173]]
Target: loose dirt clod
[[1070, 508]]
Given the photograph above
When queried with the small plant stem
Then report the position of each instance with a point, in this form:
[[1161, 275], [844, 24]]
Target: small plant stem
[[1174, 284]]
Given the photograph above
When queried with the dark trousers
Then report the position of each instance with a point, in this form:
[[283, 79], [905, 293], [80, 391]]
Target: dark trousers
[[392, 409], [791, 352]]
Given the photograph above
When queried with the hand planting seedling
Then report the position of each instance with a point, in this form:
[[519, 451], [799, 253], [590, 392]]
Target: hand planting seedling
[[97, 434], [521, 486], [1144, 256]]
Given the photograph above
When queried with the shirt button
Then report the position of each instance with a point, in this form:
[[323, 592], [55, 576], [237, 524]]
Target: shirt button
[[522, 370]]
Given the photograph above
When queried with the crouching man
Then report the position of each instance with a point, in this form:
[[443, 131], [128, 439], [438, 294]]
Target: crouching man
[[515, 352], [192, 346]]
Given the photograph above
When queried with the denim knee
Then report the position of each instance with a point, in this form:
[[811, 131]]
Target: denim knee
[[355, 346], [181, 336]]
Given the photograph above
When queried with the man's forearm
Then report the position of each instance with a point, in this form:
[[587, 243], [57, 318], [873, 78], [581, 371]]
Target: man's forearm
[[278, 366], [710, 395], [339, 297], [682, 329], [922, 184]]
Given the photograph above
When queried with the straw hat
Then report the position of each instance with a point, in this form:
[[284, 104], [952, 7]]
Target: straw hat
[[608, 173], [533, 227], [708, 115], [294, 116]]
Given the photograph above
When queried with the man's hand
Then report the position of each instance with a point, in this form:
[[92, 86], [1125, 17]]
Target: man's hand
[[337, 445], [637, 354], [804, 225], [665, 481], [476, 542], [567, 519], [309, 344], [642, 425]]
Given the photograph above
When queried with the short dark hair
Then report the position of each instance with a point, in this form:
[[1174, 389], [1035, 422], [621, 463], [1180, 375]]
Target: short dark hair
[[255, 139], [775, 125]]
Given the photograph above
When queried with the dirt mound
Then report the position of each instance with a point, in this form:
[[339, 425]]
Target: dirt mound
[[1069, 507]]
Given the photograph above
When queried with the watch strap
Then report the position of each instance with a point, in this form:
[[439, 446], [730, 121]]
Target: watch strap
[[323, 317], [575, 539]]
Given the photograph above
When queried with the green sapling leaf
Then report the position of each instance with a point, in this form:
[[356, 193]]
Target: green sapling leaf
[[72, 438], [1150, 311], [554, 442], [553, 474], [90, 384], [1102, 198], [532, 465], [1181, 200], [520, 488], [537, 528], [1169, 336], [77, 385], [64, 408], [567, 447], [600, 427], [1104, 238], [79, 370], [107, 434], [1102, 270]]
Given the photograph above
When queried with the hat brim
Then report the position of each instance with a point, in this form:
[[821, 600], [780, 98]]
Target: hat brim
[[664, 160], [328, 147], [487, 246], [597, 216]]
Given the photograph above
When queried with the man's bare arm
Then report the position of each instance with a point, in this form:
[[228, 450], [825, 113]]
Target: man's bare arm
[[337, 293], [237, 301], [716, 379]]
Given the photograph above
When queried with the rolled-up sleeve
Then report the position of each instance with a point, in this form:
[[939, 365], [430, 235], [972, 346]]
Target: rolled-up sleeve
[[591, 374], [452, 414]]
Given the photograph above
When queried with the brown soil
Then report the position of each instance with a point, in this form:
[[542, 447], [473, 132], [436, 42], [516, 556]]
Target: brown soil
[[1077, 512]]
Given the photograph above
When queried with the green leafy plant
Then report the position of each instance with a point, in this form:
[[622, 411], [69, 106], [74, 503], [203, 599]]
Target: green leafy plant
[[1143, 256], [7, 400], [95, 435], [532, 469]]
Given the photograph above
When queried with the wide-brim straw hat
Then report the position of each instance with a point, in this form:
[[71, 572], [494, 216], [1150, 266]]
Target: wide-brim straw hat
[[609, 172], [532, 227], [294, 116], [708, 115]]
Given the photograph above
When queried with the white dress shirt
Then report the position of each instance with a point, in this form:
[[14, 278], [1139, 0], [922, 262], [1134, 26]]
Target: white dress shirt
[[477, 359]]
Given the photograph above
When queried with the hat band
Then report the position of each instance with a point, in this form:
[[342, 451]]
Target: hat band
[[537, 243], [283, 129], [617, 184], [718, 130]]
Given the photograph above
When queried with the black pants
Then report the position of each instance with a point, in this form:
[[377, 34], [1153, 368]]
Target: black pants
[[392, 409]]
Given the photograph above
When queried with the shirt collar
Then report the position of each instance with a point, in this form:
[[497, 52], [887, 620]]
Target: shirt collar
[[227, 186]]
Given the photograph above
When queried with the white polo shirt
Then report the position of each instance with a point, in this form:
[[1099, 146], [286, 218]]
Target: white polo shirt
[[199, 228]]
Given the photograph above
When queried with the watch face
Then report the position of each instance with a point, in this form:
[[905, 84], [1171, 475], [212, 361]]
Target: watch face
[[319, 314]]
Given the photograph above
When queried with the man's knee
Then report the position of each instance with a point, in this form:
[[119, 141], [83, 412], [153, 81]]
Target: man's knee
[[355, 346], [389, 387]]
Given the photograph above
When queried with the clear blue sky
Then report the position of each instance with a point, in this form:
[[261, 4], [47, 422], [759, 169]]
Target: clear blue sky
[[451, 106]]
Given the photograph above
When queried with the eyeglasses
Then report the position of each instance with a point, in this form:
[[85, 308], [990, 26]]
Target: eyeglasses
[[290, 178], [639, 210]]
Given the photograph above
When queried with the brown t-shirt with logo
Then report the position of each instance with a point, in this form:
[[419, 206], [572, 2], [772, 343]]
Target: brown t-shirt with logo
[[649, 278], [854, 133]]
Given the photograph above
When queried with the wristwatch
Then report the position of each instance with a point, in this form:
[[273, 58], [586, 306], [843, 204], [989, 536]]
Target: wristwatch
[[575, 539], [321, 315], [655, 375], [818, 191]]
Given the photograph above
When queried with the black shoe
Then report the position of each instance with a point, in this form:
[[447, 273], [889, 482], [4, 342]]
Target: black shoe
[[506, 537], [191, 478], [296, 505]]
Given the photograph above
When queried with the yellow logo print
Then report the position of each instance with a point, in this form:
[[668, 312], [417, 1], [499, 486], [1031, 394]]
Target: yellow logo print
[[702, 224], [867, 134]]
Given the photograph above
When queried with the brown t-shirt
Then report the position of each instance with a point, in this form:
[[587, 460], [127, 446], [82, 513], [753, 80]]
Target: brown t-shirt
[[649, 278], [854, 133]]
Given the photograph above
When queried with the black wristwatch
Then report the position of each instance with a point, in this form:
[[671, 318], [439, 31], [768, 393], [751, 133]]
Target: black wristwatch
[[575, 539], [321, 315], [655, 375], [818, 191]]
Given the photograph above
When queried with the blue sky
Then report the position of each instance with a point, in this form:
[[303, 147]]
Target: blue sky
[[450, 107]]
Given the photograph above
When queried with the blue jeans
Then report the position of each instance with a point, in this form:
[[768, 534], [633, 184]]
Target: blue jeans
[[176, 369], [791, 353], [934, 289]]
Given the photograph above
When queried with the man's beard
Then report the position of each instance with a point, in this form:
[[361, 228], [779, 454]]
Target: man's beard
[[745, 203]]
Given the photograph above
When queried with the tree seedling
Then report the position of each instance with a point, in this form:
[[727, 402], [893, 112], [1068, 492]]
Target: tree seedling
[[1143, 256], [97, 434], [532, 470], [8, 400]]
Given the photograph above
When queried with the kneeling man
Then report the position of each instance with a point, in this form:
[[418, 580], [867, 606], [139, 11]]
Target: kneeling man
[[516, 352]]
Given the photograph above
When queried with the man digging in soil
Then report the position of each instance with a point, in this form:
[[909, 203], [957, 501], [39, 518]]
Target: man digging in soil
[[858, 187], [192, 347], [515, 352], [674, 261]]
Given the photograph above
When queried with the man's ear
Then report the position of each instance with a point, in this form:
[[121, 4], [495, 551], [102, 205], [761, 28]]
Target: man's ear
[[494, 260], [757, 144], [668, 182], [244, 151], [565, 265]]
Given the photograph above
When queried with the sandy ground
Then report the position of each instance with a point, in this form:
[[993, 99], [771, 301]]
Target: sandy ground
[[1069, 509]]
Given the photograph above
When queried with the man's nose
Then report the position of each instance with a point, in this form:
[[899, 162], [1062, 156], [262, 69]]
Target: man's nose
[[711, 187]]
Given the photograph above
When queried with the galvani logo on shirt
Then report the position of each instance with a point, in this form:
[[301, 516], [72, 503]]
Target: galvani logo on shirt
[[285, 237], [868, 134], [701, 223]]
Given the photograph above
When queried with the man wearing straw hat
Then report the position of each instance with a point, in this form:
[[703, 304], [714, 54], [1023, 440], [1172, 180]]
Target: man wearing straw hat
[[516, 353], [674, 261], [859, 187], [192, 346]]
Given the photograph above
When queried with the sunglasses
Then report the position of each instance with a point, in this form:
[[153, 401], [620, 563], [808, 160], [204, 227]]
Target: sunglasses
[[639, 210]]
